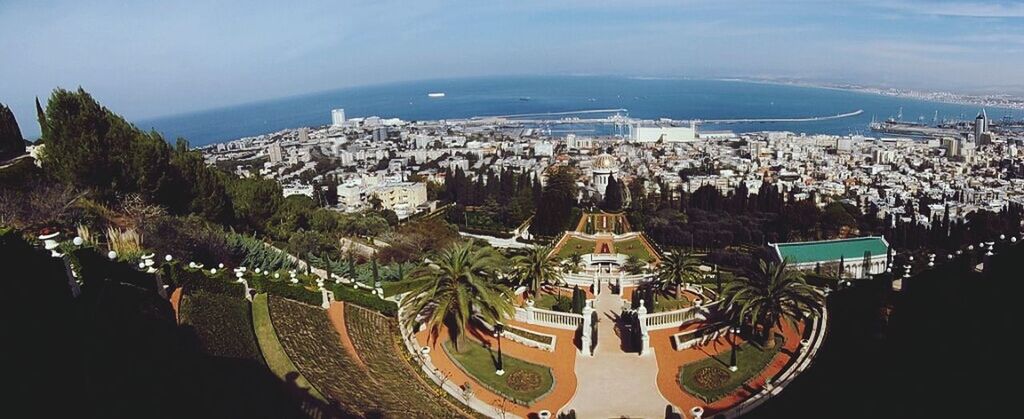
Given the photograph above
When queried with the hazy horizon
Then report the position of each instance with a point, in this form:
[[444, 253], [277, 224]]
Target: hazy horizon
[[149, 59]]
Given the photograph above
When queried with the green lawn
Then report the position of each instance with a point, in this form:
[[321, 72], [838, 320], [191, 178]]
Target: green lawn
[[669, 302], [523, 382], [634, 247], [273, 353], [546, 301], [710, 379], [576, 245]]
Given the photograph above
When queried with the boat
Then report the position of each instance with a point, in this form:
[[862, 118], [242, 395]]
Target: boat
[[525, 99], [435, 94]]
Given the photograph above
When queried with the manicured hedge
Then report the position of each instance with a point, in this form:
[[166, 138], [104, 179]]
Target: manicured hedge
[[293, 292], [365, 299]]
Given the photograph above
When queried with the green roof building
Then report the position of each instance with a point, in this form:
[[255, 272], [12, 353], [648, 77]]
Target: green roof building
[[858, 257]]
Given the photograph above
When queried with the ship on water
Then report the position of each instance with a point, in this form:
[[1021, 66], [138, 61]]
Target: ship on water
[[435, 94]]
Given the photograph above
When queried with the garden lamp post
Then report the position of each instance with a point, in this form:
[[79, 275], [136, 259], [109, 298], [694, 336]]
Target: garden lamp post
[[498, 331], [732, 354]]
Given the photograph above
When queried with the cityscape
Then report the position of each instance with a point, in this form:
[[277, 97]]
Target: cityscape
[[523, 244]]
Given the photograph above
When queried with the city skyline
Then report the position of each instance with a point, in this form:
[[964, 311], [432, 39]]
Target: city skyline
[[151, 60]]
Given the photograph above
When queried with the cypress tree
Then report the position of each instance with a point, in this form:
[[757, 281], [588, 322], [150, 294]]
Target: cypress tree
[[11, 141], [612, 196], [44, 127]]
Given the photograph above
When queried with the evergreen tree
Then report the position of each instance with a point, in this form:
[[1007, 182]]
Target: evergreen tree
[[44, 127], [612, 196], [11, 141]]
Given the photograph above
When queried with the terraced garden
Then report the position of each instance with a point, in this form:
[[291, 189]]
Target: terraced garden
[[315, 348], [222, 324], [375, 337]]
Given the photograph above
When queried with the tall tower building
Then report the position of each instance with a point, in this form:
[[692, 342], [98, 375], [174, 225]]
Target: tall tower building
[[337, 117], [276, 154], [980, 125]]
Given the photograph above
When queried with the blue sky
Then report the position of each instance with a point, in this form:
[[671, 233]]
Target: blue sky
[[152, 58]]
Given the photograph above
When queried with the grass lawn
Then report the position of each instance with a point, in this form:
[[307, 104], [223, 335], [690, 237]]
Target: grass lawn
[[523, 382], [669, 302], [546, 301], [576, 245], [634, 247], [710, 379], [273, 353]]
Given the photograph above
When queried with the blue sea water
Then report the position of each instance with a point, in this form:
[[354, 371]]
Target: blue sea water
[[643, 98]]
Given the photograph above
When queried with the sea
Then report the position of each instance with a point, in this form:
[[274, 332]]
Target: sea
[[645, 98]]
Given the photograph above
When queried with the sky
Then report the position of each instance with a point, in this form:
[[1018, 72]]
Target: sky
[[146, 59]]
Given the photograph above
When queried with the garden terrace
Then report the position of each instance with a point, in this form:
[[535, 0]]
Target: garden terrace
[[575, 245], [523, 382], [635, 247], [273, 353], [315, 347], [375, 339], [222, 324], [710, 378]]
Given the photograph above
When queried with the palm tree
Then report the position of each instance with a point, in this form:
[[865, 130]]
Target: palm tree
[[537, 267], [453, 288], [770, 294], [634, 265], [678, 268], [573, 262]]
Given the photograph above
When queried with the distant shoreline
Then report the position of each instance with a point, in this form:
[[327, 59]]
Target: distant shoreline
[[985, 101]]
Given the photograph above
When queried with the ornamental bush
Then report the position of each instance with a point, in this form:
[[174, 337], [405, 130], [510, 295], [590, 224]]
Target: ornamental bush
[[364, 299]]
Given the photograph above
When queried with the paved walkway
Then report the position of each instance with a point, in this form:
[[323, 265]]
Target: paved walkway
[[615, 383]]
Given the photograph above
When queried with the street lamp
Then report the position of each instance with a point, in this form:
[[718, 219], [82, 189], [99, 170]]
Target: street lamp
[[498, 331]]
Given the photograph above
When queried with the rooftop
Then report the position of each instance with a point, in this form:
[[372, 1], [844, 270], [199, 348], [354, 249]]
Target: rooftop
[[832, 250]]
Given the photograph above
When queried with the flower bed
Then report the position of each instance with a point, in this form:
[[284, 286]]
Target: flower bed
[[710, 379], [315, 348]]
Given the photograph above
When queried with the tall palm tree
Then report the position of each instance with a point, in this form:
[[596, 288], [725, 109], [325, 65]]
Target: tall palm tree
[[678, 268], [454, 287], [537, 267], [767, 295]]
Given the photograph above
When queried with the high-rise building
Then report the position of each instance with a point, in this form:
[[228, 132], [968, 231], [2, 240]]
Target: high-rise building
[[980, 125], [303, 134], [276, 154], [337, 117]]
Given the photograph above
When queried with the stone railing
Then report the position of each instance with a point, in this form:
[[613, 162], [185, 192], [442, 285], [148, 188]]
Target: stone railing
[[698, 336], [672, 319], [542, 317]]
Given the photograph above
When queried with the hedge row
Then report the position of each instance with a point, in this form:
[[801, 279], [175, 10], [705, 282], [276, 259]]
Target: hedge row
[[364, 299], [291, 292]]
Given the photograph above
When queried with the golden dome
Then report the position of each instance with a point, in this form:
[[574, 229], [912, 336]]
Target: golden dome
[[604, 161]]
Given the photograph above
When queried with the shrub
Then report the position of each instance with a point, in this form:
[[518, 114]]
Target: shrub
[[292, 292], [364, 299]]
